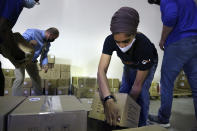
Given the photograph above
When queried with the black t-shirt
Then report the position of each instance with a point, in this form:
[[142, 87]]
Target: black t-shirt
[[142, 55]]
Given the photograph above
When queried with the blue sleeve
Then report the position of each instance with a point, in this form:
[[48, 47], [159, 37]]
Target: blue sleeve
[[27, 35], [169, 12], [45, 58]]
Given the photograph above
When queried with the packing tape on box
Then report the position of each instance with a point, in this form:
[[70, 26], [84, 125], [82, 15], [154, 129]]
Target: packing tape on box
[[51, 104]]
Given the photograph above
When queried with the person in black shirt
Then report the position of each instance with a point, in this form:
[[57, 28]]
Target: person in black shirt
[[139, 57]]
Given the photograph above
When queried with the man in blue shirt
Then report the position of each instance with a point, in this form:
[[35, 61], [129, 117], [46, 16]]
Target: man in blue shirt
[[179, 42], [9, 13], [41, 45]]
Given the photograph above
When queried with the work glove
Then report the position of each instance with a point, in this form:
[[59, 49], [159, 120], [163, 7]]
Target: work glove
[[111, 112]]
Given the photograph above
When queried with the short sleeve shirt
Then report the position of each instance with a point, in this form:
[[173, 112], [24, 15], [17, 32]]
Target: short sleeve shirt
[[142, 55]]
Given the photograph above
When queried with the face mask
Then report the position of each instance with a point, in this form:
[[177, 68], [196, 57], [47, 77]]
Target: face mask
[[154, 2], [125, 49], [29, 3]]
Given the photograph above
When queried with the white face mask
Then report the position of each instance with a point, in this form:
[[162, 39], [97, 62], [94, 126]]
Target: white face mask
[[125, 49], [29, 3]]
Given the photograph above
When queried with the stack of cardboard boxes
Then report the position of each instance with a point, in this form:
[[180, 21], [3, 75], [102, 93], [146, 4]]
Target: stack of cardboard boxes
[[85, 87], [181, 85], [129, 110], [9, 79], [154, 89]]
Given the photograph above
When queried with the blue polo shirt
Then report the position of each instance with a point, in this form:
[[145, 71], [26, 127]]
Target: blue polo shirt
[[182, 16], [39, 36], [10, 10]]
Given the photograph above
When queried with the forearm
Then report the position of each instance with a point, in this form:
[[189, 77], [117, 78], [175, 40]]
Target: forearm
[[103, 84], [165, 32]]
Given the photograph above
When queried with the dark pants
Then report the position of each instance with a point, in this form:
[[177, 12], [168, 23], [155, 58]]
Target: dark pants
[[179, 55], [2, 82], [128, 78]]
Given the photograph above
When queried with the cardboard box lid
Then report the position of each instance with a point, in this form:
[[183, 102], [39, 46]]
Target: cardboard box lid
[[48, 104], [145, 128]]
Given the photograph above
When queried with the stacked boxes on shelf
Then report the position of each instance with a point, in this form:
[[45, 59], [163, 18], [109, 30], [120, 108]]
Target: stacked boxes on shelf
[[84, 87], [9, 79], [181, 85], [154, 89]]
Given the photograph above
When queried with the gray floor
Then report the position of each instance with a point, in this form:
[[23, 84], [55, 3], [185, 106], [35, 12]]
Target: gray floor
[[183, 116]]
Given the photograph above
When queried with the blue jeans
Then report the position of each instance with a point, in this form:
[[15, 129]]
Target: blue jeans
[[143, 100], [179, 55]]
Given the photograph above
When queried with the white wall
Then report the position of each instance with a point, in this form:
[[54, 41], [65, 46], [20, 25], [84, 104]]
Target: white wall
[[83, 26]]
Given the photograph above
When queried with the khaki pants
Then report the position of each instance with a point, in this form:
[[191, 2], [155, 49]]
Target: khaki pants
[[32, 70]]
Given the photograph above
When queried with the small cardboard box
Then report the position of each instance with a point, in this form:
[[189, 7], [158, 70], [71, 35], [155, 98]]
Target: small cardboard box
[[62, 90], [63, 82], [8, 92], [8, 104], [8, 72], [116, 83], [64, 68], [49, 113], [51, 59], [145, 128], [65, 75], [27, 83], [84, 92], [87, 103], [129, 110], [9, 82]]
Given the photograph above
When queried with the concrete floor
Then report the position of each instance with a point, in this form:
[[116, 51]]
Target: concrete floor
[[182, 118]]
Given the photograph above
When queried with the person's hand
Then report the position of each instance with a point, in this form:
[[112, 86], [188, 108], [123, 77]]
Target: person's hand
[[45, 68], [161, 45], [33, 43], [111, 112]]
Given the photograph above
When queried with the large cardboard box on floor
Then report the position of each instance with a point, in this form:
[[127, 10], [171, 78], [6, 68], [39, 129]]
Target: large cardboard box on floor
[[7, 104], [49, 113], [129, 110], [145, 128], [8, 72]]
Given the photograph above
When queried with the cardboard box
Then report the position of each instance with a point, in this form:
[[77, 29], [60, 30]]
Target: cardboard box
[[26, 92], [62, 90], [145, 128], [8, 92], [87, 103], [63, 82], [8, 72], [116, 83], [64, 68], [49, 113], [84, 92], [51, 59], [64, 75], [84, 82], [27, 83], [8, 104], [129, 110], [9, 82]]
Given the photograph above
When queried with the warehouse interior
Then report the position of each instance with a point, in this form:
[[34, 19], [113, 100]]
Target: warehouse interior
[[73, 64]]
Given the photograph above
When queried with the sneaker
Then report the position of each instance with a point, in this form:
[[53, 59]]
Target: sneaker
[[153, 119]]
